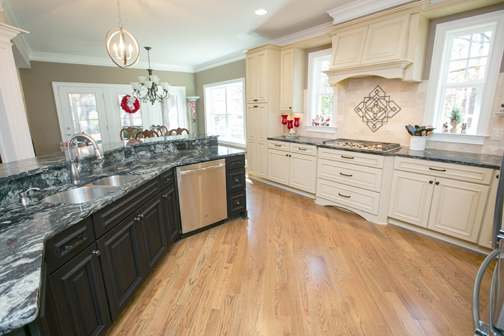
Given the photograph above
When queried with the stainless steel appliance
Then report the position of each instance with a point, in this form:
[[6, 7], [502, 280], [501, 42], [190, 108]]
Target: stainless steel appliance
[[495, 324], [369, 146], [202, 194]]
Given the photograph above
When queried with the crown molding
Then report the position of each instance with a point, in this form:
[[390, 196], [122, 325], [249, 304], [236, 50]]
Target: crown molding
[[20, 41], [237, 56], [101, 61], [304, 34], [349, 10]]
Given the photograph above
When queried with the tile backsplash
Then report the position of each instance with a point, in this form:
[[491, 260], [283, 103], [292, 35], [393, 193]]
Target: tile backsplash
[[411, 98]]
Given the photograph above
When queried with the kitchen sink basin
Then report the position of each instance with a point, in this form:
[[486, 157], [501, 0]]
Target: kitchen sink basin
[[80, 195], [115, 180]]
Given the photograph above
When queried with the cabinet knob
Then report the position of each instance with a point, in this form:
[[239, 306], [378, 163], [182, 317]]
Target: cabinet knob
[[290, 107], [136, 219], [431, 182], [141, 216], [437, 182], [96, 252], [256, 106], [164, 196]]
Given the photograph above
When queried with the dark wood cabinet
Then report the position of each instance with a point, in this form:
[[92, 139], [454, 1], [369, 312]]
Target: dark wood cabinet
[[236, 186], [171, 215], [76, 296], [123, 262], [152, 218]]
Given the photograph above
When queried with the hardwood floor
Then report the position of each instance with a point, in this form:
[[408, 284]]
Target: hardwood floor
[[295, 268]]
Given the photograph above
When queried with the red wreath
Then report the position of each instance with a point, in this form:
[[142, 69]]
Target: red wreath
[[130, 104]]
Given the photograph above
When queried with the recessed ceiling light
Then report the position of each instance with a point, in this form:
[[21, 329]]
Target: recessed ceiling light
[[261, 12]]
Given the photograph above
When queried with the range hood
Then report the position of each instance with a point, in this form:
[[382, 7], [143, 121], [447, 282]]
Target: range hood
[[391, 70]]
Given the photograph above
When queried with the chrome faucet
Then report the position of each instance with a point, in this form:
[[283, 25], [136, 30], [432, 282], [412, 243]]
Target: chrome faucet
[[75, 167]]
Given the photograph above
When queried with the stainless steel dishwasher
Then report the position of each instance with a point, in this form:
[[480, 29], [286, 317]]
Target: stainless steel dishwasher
[[202, 194]]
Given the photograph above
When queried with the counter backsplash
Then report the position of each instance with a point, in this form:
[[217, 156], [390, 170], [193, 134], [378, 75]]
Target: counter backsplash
[[411, 98], [52, 172]]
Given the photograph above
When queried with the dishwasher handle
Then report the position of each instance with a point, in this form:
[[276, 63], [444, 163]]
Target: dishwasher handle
[[198, 170]]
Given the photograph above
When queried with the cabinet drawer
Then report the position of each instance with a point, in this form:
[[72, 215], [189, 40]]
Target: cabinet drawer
[[67, 244], [352, 197], [168, 178], [235, 162], [113, 214], [363, 159], [236, 180], [279, 145], [237, 203], [446, 170], [303, 149], [349, 174]]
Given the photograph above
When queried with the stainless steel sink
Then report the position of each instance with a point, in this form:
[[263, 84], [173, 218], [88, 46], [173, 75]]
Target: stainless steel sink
[[80, 195], [115, 180]]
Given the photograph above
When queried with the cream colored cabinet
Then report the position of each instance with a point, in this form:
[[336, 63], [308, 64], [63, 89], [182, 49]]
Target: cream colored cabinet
[[262, 160], [386, 40], [303, 172], [252, 157], [411, 197], [291, 80], [347, 46], [458, 208], [256, 79], [286, 165], [256, 114], [279, 166]]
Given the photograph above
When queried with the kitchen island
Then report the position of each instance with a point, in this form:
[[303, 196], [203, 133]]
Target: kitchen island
[[25, 230]]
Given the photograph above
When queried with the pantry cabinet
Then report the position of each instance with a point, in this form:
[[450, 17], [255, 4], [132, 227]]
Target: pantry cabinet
[[256, 78]]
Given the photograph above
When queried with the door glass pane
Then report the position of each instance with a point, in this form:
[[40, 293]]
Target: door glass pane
[[129, 119], [85, 113]]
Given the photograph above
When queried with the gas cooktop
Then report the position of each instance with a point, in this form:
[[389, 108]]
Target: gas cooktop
[[370, 146]]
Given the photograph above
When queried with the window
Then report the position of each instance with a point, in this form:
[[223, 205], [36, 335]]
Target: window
[[224, 111], [84, 110], [466, 60], [320, 92]]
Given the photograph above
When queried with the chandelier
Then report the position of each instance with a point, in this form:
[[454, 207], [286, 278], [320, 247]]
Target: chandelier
[[122, 47], [149, 89]]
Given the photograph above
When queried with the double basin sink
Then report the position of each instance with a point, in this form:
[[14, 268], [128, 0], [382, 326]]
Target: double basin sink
[[92, 191]]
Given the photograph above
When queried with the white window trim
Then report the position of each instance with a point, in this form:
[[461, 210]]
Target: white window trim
[[309, 103], [230, 81], [432, 101]]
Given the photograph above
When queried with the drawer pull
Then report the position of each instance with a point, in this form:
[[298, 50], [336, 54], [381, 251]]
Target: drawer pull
[[277, 145], [256, 99], [302, 149], [256, 106], [431, 182], [236, 180], [344, 196], [347, 175], [164, 196], [347, 157], [78, 240], [96, 252], [437, 182], [437, 169]]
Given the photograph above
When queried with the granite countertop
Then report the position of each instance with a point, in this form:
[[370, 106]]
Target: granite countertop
[[24, 230], [465, 158]]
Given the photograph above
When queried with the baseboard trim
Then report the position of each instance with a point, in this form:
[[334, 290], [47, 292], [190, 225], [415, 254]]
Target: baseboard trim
[[439, 236], [281, 186]]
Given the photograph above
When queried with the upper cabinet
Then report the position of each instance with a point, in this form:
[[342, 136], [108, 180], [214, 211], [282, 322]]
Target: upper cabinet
[[263, 74], [292, 68], [389, 46]]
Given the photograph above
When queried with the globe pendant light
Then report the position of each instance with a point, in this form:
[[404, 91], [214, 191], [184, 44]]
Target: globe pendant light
[[122, 47], [149, 89]]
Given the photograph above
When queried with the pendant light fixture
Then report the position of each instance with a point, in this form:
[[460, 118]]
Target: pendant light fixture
[[149, 89], [122, 47]]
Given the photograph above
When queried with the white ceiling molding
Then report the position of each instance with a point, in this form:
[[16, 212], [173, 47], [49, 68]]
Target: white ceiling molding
[[350, 10], [220, 61], [101, 61], [20, 42], [303, 34]]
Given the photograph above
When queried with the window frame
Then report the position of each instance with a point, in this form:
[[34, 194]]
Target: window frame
[[205, 110], [310, 102], [445, 32]]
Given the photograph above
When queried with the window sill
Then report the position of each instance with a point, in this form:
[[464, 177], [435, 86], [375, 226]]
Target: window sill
[[459, 138], [320, 129]]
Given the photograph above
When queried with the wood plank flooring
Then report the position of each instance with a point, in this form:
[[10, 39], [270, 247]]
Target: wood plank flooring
[[295, 268]]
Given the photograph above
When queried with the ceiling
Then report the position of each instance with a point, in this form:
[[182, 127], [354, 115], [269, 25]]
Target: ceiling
[[183, 33]]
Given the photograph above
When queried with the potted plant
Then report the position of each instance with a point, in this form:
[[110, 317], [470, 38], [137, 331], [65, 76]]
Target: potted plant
[[455, 119]]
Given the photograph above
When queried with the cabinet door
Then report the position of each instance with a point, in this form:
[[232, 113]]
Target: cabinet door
[[123, 262], [256, 77], [458, 208], [279, 166], [286, 79], [172, 215], [347, 47], [303, 172], [386, 40], [77, 296], [252, 161], [154, 231], [411, 197], [262, 159], [254, 122]]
